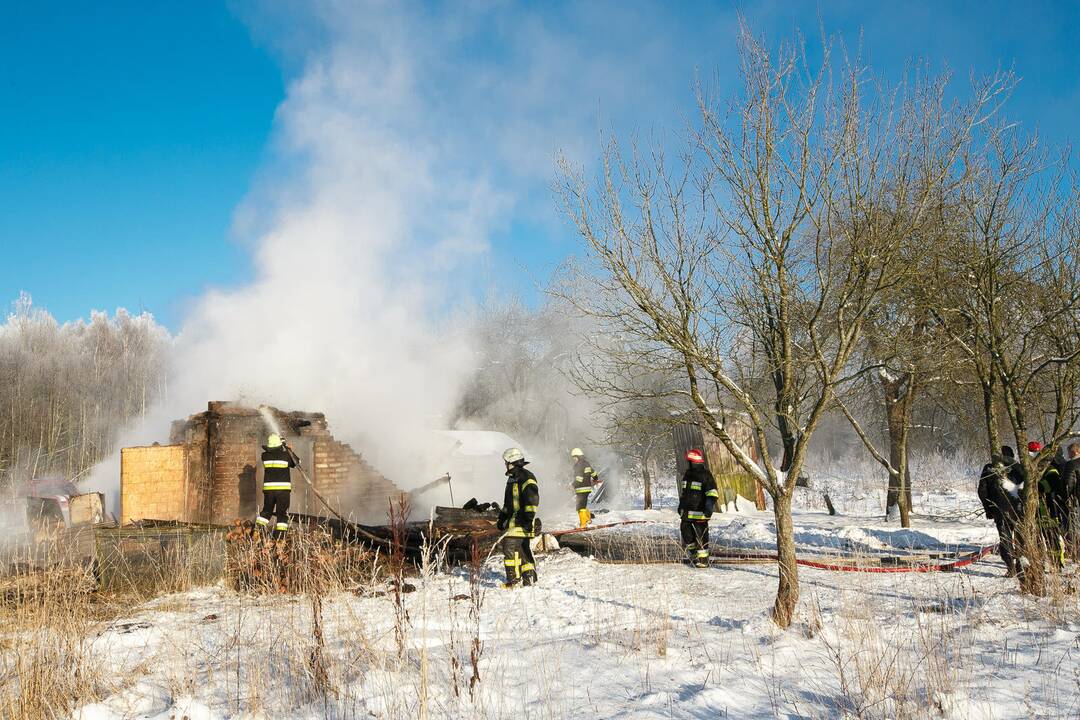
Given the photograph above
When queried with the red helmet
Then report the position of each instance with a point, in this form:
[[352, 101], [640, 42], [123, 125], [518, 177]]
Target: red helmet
[[695, 456], [1034, 446]]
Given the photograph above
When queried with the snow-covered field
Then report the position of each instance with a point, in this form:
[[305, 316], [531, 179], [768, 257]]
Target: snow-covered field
[[603, 640]]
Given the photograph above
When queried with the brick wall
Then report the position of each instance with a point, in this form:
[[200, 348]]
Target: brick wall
[[200, 483], [224, 450], [224, 444], [235, 448], [349, 483]]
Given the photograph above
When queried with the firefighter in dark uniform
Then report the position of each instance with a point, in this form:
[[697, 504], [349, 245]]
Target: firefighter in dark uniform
[[1049, 528], [518, 520], [584, 479], [1000, 487], [697, 501], [277, 459]]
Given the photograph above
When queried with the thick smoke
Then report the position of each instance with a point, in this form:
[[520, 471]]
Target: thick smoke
[[347, 311], [396, 151]]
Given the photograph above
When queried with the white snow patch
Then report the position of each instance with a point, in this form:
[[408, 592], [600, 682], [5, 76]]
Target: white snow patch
[[653, 641]]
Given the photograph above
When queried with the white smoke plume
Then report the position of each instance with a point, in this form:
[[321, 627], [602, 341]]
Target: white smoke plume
[[395, 151]]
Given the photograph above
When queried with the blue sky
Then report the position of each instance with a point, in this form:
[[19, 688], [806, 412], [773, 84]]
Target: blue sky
[[131, 132], [128, 133]]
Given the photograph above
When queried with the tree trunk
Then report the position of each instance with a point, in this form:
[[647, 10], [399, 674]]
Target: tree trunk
[[646, 477], [899, 393], [892, 495], [1033, 578], [990, 416], [905, 497], [787, 591]]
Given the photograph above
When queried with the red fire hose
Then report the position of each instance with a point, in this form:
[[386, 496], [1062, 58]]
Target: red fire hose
[[959, 562]]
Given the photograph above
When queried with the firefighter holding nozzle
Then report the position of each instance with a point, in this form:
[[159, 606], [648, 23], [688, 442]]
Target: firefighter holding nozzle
[[584, 480], [277, 460]]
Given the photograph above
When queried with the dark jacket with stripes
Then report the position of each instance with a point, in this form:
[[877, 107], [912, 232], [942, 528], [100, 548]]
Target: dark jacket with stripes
[[583, 476], [697, 493], [276, 463], [520, 503], [995, 484]]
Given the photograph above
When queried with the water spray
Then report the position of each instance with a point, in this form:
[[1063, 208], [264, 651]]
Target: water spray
[[270, 420]]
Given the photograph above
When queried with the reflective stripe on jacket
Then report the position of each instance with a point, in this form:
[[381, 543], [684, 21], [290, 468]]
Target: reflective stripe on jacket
[[583, 476], [520, 502], [695, 491], [276, 463]]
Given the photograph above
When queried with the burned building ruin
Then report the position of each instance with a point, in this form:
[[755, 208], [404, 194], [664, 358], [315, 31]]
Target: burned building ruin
[[210, 471]]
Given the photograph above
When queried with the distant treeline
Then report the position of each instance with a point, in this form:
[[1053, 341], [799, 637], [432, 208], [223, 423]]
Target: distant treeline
[[66, 390]]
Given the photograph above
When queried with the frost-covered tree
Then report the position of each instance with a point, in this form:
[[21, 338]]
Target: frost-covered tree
[[519, 383], [1010, 299], [66, 390]]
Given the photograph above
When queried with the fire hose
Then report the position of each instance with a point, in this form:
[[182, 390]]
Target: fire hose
[[328, 506], [959, 562], [963, 561], [573, 531]]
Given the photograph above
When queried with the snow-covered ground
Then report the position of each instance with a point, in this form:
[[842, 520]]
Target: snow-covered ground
[[603, 640]]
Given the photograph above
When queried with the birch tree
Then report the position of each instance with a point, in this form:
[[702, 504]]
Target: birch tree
[[66, 390]]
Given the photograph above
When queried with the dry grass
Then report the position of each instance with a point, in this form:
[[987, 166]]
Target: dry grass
[[49, 618], [294, 637], [300, 563]]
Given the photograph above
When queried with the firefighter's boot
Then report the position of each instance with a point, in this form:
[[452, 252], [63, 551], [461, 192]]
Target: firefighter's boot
[[691, 551], [512, 563], [584, 516]]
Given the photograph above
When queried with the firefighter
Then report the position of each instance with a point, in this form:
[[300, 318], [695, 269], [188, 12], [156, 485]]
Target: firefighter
[[697, 501], [1049, 527], [277, 459], [584, 479], [1000, 492], [1070, 500], [518, 520]]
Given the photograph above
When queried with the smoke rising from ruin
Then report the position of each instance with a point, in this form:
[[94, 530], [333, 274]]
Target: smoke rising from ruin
[[367, 212], [344, 315], [371, 224]]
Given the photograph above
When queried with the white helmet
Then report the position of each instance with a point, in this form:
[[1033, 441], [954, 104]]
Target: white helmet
[[577, 452], [513, 455], [273, 441]]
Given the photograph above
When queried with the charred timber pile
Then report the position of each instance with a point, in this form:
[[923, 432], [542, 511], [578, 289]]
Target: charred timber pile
[[461, 532], [642, 548], [624, 547], [464, 533]]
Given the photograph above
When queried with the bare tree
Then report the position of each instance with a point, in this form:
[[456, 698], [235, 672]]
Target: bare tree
[[1010, 300], [519, 384], [754, 264], [638, 415], [908, 352]]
